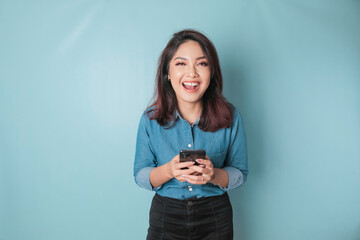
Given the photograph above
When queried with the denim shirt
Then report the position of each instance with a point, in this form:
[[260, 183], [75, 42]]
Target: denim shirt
[[157, 145]]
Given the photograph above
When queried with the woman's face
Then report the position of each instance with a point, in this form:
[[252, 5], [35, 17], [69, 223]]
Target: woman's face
[[189, 73]]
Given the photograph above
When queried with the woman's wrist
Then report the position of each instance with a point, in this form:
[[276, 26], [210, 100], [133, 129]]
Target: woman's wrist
[[213, 178], [220, 177], [160, 175], [168, 171]]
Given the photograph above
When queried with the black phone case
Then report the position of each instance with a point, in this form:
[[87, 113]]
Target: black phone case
[[192, 155]]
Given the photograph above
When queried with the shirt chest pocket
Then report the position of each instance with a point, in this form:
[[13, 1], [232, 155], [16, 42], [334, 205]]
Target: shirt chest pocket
[[217, 159], [216, 149]]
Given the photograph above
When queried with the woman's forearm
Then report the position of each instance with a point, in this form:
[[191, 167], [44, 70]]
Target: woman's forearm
[[160, 175], [221, 177]]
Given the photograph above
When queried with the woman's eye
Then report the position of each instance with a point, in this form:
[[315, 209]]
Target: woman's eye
[[180, 63], [204, 63]]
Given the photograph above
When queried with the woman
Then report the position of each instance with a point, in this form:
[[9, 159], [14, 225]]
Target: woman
[[190, 112]]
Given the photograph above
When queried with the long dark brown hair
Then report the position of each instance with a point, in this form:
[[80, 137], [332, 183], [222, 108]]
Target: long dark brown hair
[[217, 111]]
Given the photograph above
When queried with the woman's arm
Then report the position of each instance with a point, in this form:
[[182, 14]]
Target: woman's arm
[[208, 173], [221, 178], [170, 170]]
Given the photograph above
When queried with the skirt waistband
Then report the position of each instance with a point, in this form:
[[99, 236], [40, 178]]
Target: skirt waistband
[[193, 200]]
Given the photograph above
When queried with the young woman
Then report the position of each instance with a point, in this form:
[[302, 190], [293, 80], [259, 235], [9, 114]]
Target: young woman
[[190, 112]]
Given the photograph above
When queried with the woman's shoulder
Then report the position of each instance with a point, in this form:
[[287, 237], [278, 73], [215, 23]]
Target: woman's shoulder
[[237, 116], [146, 116], [236, 112]]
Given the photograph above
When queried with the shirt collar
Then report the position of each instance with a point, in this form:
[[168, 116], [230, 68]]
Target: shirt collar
[[177, 115]]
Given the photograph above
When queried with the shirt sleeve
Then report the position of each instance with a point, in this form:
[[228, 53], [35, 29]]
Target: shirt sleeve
[[145, 159], [236, 163]]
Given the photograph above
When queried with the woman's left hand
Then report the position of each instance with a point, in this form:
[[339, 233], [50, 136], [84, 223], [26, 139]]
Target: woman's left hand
[[204, 172]]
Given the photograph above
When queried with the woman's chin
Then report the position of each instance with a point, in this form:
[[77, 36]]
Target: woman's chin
[[190, 100]]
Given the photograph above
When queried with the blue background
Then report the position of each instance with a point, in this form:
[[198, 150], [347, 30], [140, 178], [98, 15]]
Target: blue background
[[75, 76]]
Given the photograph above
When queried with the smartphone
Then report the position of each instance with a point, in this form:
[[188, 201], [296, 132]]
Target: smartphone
[[192, 155]]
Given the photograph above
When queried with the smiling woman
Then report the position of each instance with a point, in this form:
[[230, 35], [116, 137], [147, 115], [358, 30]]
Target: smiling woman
[[190, 113], [189, 74], [179, 61]]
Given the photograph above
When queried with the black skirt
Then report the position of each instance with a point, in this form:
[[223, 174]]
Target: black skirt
[[208, 218]]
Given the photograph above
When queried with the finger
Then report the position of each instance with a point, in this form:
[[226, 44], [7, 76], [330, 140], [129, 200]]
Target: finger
[[195, 182], [181, 179], [208, 177], [184, 164], [195, 178], [199, 169], [185, 172], [206, 162], [176, 159]]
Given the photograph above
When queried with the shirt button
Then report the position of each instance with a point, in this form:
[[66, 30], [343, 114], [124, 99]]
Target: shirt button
[[189, 145]]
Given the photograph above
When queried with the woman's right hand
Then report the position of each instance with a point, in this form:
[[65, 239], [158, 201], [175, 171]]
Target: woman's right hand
[[176, 171]]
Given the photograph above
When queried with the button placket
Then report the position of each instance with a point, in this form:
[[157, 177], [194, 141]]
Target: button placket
[[190, 137]]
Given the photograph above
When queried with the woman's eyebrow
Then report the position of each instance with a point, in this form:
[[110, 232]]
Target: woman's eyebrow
[[182, 58]]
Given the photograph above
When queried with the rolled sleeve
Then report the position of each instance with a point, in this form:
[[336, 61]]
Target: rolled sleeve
[[236, 163], [143, 179], [145, 159], [236, 178]]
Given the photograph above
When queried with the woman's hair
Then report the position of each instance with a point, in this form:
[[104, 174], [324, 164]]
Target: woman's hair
[[217, 111]]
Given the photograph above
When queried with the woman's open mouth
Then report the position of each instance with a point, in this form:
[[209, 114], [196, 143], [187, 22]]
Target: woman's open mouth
[[191, 86]]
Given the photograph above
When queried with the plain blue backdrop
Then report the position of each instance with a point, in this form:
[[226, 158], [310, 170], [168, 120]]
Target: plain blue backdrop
[[75, 76]]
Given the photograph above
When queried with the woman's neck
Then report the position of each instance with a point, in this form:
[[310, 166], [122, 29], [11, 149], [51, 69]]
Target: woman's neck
[[190, 111]]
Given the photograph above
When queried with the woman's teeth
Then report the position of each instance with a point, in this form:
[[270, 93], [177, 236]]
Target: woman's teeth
[[190, 86]]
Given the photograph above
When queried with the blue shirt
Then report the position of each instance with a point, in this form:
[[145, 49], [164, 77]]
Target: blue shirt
[[157, 145]]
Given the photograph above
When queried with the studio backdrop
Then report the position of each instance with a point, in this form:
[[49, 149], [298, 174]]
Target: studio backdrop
[[75, 77]]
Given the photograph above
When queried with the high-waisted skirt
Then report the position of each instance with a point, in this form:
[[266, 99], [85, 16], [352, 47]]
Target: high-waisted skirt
[[206, 218]]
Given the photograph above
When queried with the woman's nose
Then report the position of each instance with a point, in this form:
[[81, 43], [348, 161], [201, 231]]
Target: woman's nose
[[192, 71]]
